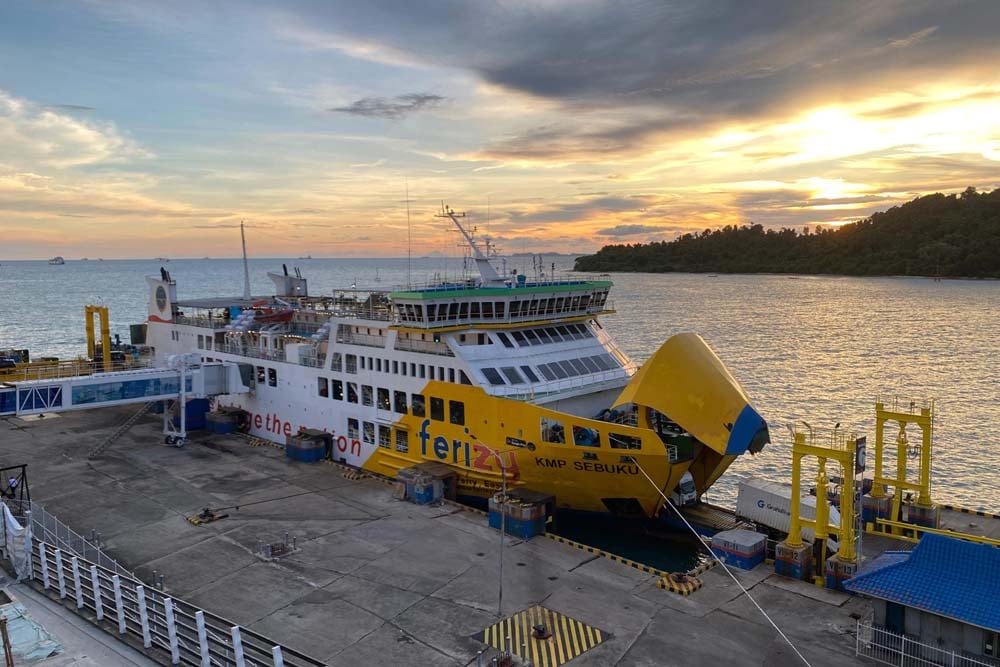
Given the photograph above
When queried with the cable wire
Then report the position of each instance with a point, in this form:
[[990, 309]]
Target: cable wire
[[731, 575]]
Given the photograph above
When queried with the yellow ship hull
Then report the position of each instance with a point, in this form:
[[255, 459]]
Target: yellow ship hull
[[589, 465]]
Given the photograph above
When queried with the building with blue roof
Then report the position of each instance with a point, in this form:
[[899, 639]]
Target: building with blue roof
[[945, 593]]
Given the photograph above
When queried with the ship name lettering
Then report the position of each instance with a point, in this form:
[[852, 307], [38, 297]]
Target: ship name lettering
[[458, 452], [543, 462], [615, 468]]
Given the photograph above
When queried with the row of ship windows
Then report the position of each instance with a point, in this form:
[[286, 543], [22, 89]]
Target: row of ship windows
[[545, 335], [445, 312], [552, 431], [556, 370], [379, 397], [350, 363], [366, 431]]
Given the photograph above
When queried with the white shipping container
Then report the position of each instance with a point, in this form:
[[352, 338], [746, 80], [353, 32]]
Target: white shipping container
[[769, 503]]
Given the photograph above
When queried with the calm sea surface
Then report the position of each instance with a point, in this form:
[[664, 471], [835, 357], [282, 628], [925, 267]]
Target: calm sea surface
[[808, 348]]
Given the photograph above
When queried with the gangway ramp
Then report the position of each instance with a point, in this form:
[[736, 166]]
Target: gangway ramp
[[121, 388]]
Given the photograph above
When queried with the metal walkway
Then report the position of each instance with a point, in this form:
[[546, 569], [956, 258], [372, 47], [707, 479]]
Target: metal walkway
[[101, 390]]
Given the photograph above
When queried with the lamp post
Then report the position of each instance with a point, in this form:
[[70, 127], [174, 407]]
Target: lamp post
[[503, 516]]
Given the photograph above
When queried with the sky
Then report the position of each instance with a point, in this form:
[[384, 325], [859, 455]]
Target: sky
[[142, 129]]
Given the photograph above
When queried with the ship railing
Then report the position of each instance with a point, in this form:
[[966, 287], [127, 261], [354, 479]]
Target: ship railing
[[527, 318], [459, 284], [252, 352], [179, 632], [203, 322], [353, 338], [535, 390], [425, 346], [891, 648], [70, 368]]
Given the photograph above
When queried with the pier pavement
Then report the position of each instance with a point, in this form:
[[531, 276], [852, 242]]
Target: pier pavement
[[379, 581]]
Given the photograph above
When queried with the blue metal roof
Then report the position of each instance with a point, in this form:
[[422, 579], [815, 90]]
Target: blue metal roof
[[942, 575]]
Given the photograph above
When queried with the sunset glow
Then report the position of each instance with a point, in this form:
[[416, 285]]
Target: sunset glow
[[139, 130]]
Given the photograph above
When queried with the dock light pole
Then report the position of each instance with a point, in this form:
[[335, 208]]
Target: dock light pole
[[503, 516]]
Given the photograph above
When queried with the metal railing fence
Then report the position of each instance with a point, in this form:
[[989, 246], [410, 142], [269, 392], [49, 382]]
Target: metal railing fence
[[47, 528], [189, 635], [890, 648]]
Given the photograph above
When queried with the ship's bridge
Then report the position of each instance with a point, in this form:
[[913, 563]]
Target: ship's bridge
[[516, 302]]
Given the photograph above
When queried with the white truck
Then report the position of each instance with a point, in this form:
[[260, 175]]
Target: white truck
[[684, 493], [769, 504]]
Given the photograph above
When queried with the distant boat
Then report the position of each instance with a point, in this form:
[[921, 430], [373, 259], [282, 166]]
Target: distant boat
[[306, 257], [161, 259], [83, 259], [57, 261]]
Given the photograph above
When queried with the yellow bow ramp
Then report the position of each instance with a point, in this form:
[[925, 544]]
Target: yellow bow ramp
[[688, 383]]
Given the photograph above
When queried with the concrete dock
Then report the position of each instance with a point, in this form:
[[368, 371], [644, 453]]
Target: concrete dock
[[379, 581]]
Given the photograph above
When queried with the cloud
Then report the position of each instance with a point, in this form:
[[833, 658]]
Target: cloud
[[34, 137], [629, 230], [69, 107], [391, 107], [666, 68]]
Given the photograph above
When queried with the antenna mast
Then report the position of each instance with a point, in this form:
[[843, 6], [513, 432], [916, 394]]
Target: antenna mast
[[487, 273], [409, 236], [246, 267]]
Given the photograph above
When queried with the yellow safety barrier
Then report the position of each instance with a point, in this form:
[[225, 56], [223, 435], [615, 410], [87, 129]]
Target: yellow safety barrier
[[902, 525]]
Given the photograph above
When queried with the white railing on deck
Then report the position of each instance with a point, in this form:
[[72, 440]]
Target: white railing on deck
[[890, 648], [536, 390]]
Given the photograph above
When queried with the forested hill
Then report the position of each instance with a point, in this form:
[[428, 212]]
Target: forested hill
[[934, 235]]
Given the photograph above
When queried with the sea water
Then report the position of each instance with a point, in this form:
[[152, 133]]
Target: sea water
[[810, 350]]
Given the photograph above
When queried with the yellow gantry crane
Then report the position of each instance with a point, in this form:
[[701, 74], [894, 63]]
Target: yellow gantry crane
[[920, 413], [102, 315], [841, 448]]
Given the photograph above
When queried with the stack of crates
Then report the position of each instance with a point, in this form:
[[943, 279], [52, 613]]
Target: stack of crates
[[743, 548], [427, 483], [523, 512]]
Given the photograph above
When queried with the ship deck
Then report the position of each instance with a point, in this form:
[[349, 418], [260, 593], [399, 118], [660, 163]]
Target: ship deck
[[379, 581]]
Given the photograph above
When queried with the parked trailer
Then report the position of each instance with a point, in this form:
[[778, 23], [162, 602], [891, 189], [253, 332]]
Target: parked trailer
[[768, 503]]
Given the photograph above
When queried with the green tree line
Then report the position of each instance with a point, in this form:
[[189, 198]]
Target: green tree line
[[933, 235]]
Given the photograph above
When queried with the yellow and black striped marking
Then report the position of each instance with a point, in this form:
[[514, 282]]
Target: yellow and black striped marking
[[682, 584], [568, 637], [353, 474], [605, 554], [965, 510]]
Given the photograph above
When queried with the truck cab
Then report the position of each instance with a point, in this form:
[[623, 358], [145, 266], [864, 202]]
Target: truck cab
[[684, 493]]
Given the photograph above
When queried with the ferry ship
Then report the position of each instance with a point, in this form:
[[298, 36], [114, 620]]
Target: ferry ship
[[493, 375]]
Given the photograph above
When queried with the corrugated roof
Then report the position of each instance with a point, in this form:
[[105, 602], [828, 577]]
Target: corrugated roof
[[942, 575]]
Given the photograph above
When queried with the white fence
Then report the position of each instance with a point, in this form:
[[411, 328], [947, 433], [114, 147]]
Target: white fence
[[188, 635], [890, 648], [47, 528]]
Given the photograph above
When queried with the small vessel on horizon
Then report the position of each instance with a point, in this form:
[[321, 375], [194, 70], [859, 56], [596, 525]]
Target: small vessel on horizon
[[57, 261]]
